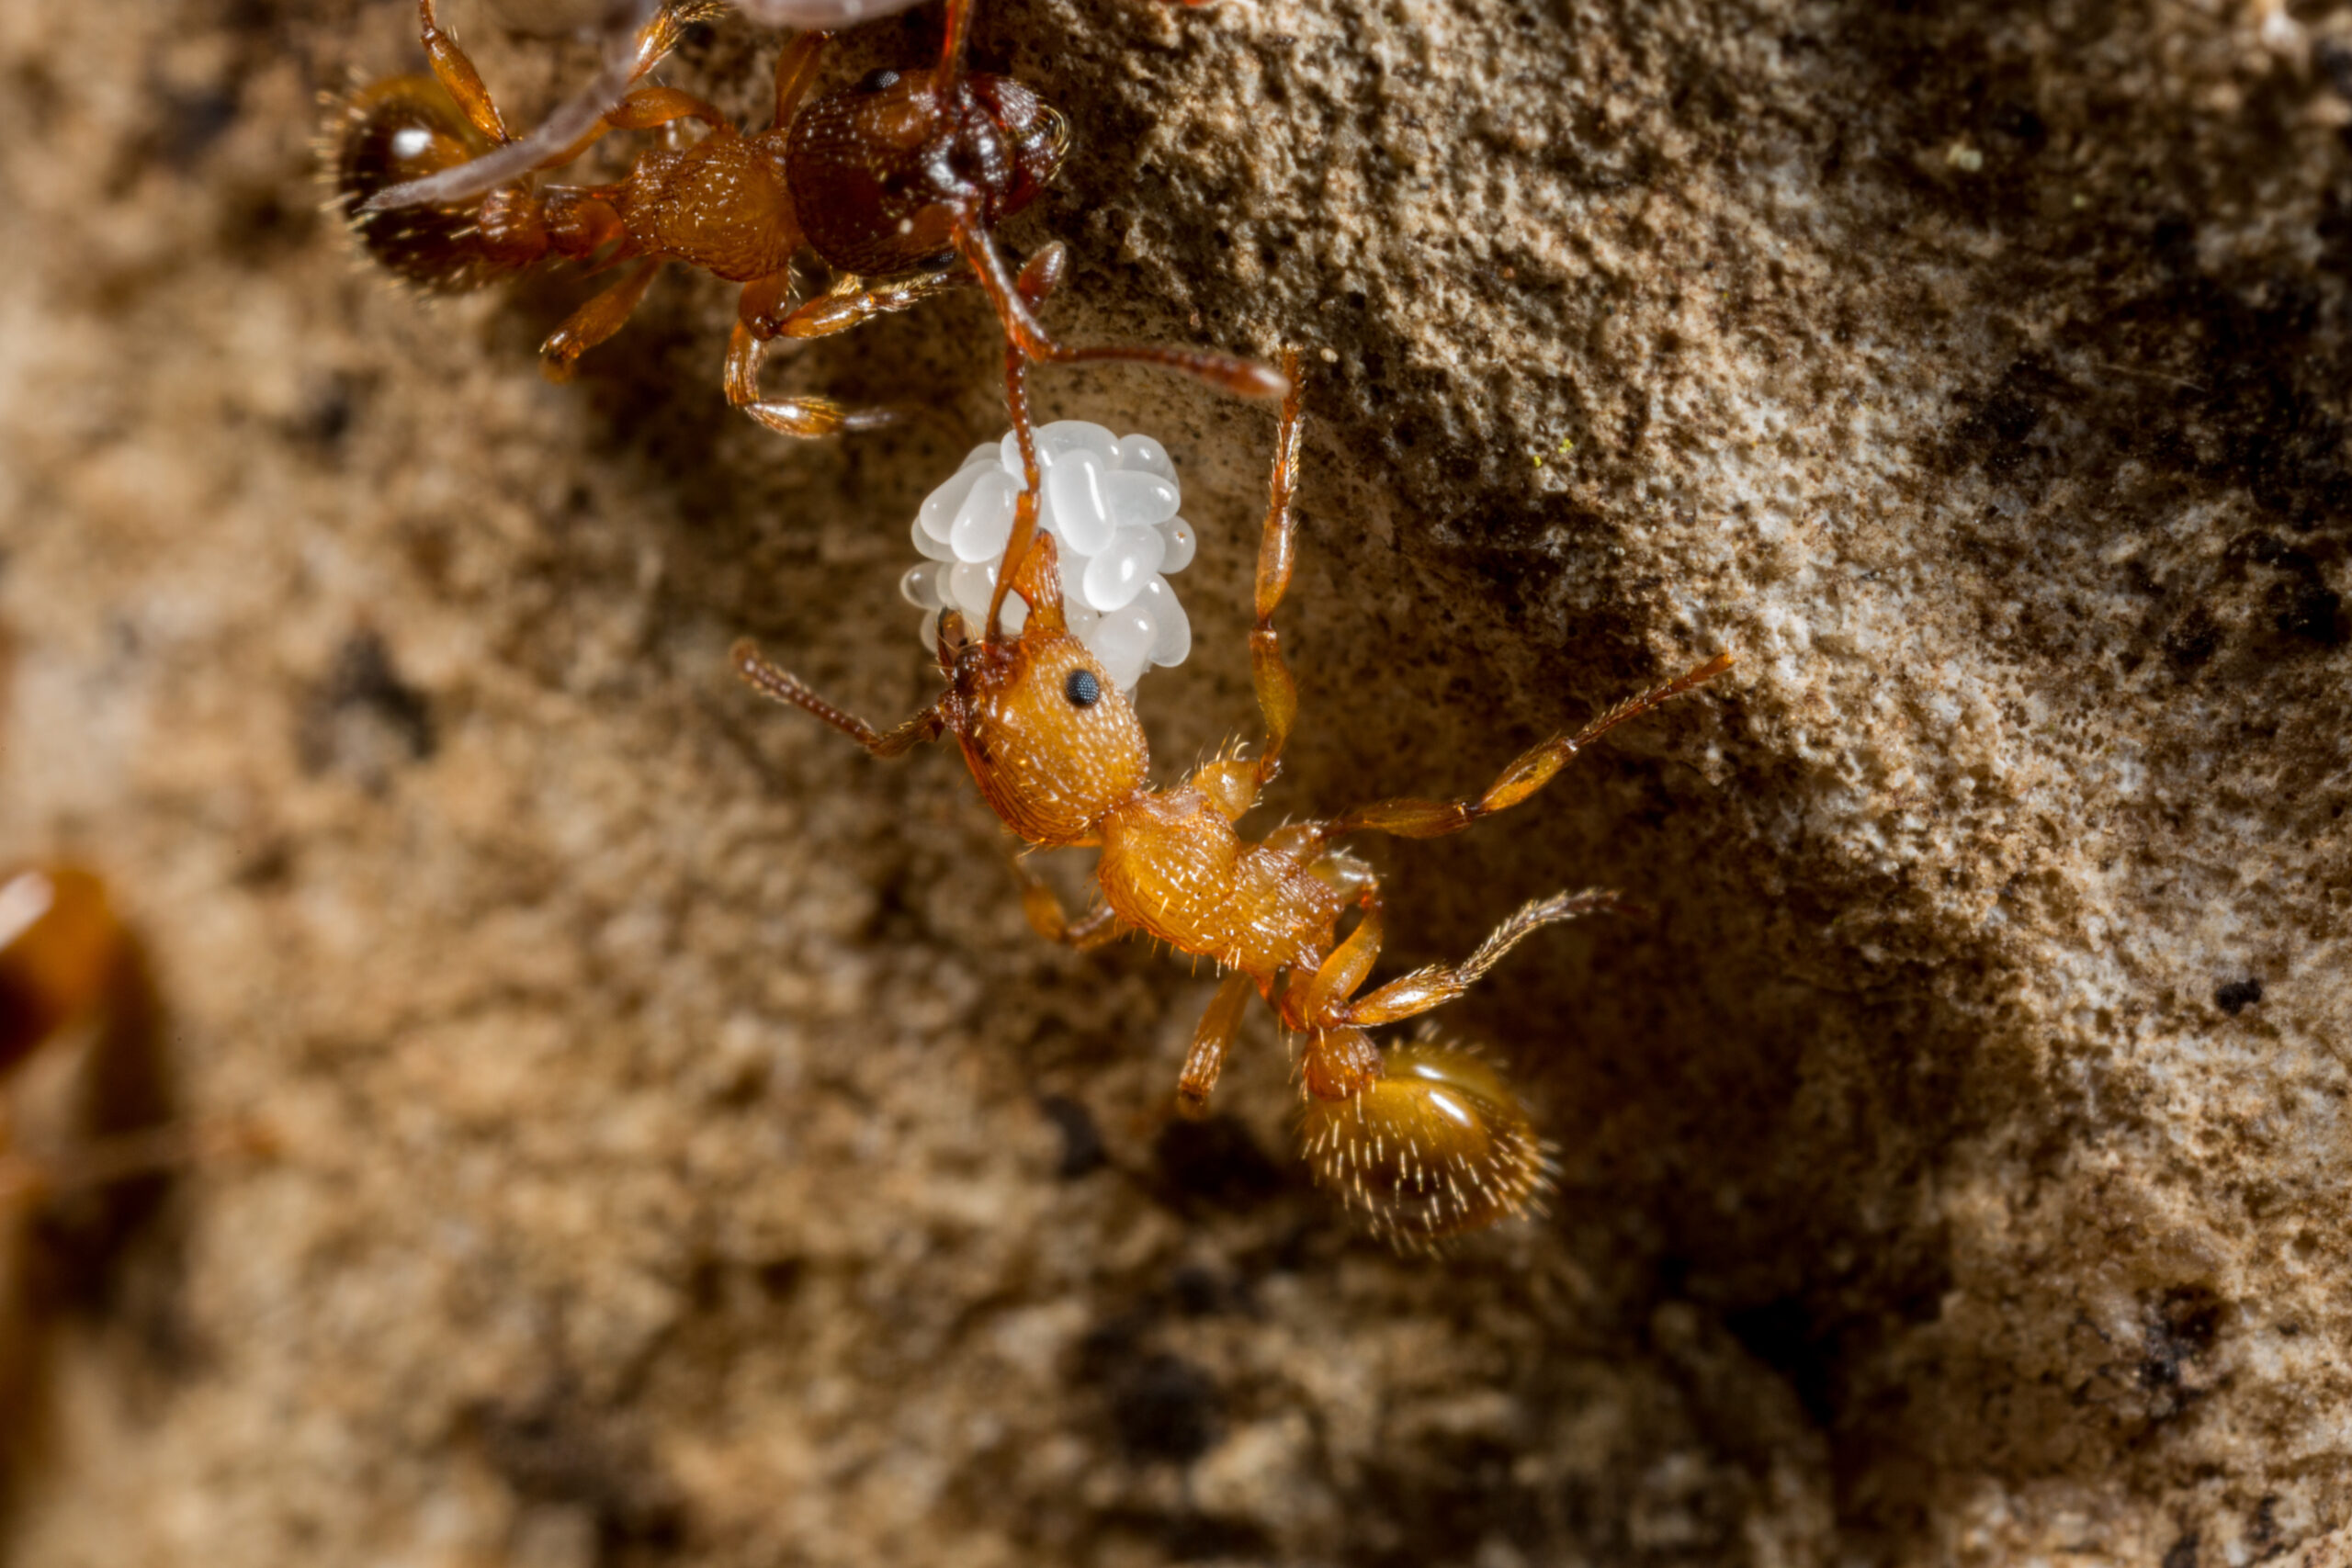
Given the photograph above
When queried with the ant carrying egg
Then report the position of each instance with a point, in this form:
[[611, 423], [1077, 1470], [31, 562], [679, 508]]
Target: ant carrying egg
[[1427, 1137], [1112, 505]]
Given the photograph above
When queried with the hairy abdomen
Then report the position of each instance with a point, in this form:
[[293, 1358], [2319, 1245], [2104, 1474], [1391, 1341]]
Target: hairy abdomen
[[400, 129]]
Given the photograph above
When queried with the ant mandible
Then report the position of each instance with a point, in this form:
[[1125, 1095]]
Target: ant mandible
[[901, 178], [1430, 1139]]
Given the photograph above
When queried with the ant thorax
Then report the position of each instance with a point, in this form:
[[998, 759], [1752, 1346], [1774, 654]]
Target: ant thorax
[[1174, 865]]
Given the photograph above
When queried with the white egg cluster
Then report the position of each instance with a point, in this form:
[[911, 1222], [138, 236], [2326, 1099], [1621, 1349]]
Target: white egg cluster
[[1110, 503]]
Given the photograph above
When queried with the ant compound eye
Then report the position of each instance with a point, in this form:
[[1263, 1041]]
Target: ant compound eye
[[875, 80], [1082, 689]]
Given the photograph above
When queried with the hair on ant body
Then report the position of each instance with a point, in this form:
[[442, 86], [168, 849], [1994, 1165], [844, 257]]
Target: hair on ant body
[[896, 185], [1427, 1136]]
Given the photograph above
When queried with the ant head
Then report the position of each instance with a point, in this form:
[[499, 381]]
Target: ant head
[[1052, 743], [881, 174]]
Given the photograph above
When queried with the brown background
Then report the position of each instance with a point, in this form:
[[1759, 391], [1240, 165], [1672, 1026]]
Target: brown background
[[689, 1156]]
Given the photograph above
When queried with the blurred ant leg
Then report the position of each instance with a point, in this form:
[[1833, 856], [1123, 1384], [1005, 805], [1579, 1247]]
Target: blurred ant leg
[[952, 46], [456, 74], [849, 304], [796, 73], [22, 1179], [1407, 818], [1270, 672], [808, 419], [1206, 1058], [594, 321], [23, 1182], [1424, 989], [1097, 927], [648, 108], [1242, 378], [770, 681]]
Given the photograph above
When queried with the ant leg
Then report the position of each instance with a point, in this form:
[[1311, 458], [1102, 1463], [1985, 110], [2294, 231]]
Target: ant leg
[[1206, 1058], [1435, 986], [796, 73], [1097, 927], [1017, 544], [649, 107], [770, 681], [847, 304], [1321, 998], [952, 46], [1043, 273], [455, 73], [1407, 818], [1277, 689], [594, 321], [1040, 275], [1233, 780], [1242, 378]]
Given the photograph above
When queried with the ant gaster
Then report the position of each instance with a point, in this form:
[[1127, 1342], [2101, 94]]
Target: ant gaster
[[902, 178], [1431, 1140]]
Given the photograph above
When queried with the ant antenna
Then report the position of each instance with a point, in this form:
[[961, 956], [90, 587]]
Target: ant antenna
[[1023, 537]]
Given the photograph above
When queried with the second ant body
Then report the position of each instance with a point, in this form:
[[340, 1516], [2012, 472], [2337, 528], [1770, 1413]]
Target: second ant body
[[902, 178], [1429, 1138], [71, 973]]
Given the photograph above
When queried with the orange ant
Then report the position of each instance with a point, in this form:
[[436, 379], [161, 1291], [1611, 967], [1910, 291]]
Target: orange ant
[[1430, 1139], [64, 959], [901, 178]]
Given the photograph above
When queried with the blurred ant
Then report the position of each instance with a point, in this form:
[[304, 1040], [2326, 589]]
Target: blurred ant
[[577, 116], [86, 1136], [901, 178], [66, 963], [1430, 1139]]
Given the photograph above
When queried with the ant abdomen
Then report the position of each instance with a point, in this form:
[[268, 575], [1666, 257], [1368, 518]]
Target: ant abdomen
[[401, 130], [1437, 1146]]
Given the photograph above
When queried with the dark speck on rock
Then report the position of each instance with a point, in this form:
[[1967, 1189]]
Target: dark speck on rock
[[1081, 1139], [1165, 1408]]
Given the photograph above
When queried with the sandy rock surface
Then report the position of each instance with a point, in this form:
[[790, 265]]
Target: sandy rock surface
[[690, 1157]]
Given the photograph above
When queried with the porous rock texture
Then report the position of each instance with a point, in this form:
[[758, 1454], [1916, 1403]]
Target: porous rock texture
[[686, 1153]]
